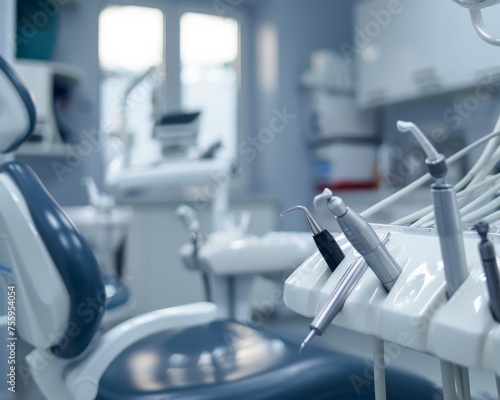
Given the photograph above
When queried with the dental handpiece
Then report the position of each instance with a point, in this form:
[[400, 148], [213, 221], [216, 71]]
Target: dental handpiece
[[446, 213], [325, 242], [338, 297], [364, 239], [489, 261], [449, 228]]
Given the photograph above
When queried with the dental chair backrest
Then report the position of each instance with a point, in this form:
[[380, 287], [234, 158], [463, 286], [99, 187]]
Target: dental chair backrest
[[60, 296]]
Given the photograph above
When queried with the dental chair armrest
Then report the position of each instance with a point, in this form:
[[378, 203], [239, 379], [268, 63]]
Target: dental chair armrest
[[83, 379]]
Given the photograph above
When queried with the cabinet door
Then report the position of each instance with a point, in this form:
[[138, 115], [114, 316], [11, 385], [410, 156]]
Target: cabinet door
[[410, 49]]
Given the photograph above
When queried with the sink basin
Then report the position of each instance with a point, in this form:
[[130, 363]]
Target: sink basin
[[93, 224], [270, 255]]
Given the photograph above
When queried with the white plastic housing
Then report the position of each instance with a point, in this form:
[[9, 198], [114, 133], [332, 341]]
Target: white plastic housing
[[42, 301], [275, 252], [416, 313]]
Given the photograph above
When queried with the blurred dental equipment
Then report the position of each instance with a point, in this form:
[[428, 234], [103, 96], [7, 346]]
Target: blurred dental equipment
[[230, 259], [363, 238], [177, 133], [325, 242], [190, 252]]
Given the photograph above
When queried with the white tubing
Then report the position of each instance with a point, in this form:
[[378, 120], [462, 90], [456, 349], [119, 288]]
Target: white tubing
[[462, 382], [483, 211], [492, 217], [448, 379], [379, 369], [418, 216], [423, 179]]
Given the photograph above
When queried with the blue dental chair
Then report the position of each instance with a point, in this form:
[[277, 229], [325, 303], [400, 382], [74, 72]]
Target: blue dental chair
[[179, 353]]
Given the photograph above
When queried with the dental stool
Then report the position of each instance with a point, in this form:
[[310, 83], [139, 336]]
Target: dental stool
[[174, 353]]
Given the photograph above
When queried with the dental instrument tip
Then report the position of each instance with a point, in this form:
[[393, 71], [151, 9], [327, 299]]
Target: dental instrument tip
[[323, 196], [294, 208], [307, 340], [404, 126]]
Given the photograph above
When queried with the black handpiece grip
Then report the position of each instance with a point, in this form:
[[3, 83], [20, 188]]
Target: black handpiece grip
[[493, 283], [490, 266], [329, 249]]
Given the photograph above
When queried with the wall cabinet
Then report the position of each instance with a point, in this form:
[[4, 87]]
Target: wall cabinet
[[408, 49]]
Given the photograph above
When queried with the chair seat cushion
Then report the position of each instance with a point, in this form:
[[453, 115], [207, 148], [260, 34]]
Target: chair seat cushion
[[228, 360]]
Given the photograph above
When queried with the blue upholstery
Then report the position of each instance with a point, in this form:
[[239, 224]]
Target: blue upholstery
[[117, 294], [71, 255], [27, 99], [227, 360]]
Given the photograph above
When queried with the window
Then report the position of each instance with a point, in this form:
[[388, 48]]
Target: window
[[209, 47], [200, 68], [131, 57]]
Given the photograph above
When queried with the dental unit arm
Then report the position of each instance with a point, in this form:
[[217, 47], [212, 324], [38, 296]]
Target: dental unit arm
[[475, 7], [325, 242]]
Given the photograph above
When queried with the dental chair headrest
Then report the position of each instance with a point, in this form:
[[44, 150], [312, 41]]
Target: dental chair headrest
[[17, 109]]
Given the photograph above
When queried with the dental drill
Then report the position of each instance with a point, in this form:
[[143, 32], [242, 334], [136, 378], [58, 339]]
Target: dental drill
[[449, 228], [363, 238], [325, 242], [489, 261], [338, 297]]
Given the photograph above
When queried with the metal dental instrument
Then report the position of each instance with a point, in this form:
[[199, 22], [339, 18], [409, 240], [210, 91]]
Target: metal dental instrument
[[449, 228], [363, 238], [448, 222], [325, 242], [338, 297], [489, 261]]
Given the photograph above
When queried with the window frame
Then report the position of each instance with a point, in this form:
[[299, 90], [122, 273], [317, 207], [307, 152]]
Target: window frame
[[172, 12]]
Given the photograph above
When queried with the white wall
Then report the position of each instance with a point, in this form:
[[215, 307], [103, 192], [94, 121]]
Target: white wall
[[294, 28]]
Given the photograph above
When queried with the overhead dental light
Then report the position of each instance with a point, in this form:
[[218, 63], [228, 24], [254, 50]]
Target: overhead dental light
[[475, 7]]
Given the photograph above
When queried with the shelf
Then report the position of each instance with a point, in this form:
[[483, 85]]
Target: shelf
[[65, 75], [316, 142], [44, 149]]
